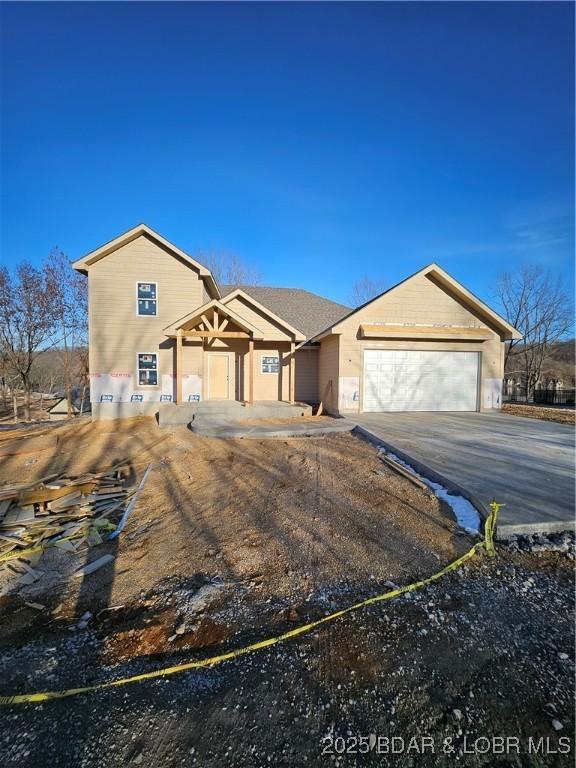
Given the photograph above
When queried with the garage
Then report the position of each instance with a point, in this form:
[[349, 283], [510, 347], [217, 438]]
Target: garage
[[418, 380]]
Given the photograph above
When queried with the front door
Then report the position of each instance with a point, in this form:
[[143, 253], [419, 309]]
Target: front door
[[218, 376]]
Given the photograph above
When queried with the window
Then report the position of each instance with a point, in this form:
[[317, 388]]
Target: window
[[147, 370], [270, 364], [147, 297]]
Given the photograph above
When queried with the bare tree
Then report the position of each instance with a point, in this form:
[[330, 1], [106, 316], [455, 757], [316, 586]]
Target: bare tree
[[68, 293], [26, 321], [365, 289], [537, 305], [228, 268]]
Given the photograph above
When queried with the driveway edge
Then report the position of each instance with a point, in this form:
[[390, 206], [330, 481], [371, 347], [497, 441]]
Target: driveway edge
[[424, 469]]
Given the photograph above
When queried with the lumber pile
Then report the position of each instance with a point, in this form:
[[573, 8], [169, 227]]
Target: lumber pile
[[68, 513]]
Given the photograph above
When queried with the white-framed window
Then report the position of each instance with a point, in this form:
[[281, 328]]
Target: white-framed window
[[270, 364], [147, 369], [147, 299]]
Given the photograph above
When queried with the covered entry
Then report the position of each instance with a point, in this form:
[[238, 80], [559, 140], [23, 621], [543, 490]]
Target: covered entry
[[228, 353], [411, 380]]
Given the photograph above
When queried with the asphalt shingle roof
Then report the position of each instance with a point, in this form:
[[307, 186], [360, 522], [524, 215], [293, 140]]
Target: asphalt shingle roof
[[305, 311]]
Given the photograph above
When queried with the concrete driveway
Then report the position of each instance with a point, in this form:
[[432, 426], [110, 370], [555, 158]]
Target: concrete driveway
[[525, 463]]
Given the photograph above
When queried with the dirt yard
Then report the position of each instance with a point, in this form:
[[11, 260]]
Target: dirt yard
[[237, 540], [558, 414]]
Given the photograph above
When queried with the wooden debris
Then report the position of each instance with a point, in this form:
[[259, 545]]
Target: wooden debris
[[94, 565], [403, 471], [35, 606], [59, 511], [130, 506]]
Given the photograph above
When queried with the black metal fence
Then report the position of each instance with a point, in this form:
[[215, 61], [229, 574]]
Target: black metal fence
[[554, 396], [541, 396]]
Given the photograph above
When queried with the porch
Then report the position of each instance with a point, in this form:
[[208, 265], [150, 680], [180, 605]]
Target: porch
[[228, 411], [220, 357]]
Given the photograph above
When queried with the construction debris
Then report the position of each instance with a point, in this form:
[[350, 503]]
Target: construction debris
[[120, 527], [94, 565], [389, 461], [67, 513]]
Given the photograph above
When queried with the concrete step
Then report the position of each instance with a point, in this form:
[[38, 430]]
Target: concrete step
[[211, 413]]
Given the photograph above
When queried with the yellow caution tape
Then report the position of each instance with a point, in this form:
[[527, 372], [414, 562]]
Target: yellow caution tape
[[487, 543], [490, 527]]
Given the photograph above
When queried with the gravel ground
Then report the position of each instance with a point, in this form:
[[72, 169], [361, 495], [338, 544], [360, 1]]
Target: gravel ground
[[486, 653], [233, 542]]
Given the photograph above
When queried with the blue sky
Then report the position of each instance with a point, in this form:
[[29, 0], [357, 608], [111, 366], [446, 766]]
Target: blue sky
[[320, 142]]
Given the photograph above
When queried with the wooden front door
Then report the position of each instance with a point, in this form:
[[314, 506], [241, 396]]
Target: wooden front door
[[218, 376]]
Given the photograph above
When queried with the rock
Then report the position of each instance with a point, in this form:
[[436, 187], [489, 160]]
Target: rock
[[457, 714], [180, 629], [138, 759], [83, 623], [563, 656], [557, 725]]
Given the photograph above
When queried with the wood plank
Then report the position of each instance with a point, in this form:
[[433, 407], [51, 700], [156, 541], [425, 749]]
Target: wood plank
[[4, 506], [179, 367], [37, 496], [292, 363], [207, 323], [216, 335], [251, 370], [94, 566], [403, 471], [376, 331]]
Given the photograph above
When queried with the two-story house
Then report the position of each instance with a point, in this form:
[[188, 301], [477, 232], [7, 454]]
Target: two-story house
[[161, 330]]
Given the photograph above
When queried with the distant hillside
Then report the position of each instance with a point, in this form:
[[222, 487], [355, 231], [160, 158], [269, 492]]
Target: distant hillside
[[559, 364], [48, 373]]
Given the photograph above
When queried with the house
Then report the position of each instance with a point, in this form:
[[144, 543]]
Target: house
[[163, 331]]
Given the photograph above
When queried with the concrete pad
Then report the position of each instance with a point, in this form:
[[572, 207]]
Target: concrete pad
[[270, 431], [171, 414], [526, 464]]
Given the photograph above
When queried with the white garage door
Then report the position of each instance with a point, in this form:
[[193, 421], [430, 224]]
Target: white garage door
[[396, 380]]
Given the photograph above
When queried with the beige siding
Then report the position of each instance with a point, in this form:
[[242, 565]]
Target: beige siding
[[269, 386], [258, 320], [117, 333], [328, 372], [306, 364], [419, 301]]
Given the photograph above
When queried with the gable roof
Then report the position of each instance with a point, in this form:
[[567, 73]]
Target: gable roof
[[238, 293], [446, 281], [91, 258], [226, 311], [305, 311]]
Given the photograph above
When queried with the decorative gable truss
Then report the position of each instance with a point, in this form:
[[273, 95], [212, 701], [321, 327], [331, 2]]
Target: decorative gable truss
[[214, 320]]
